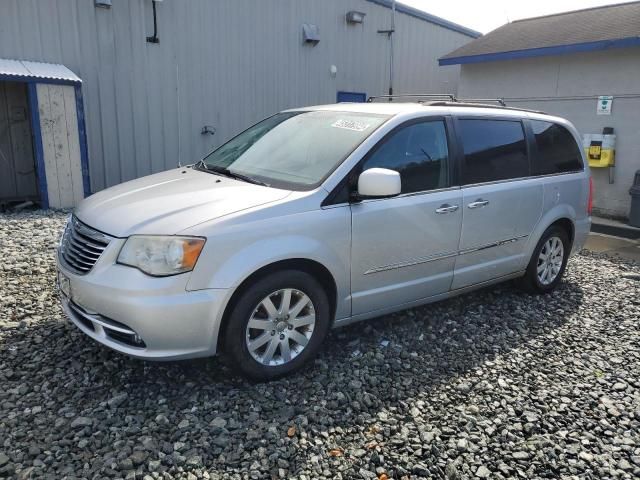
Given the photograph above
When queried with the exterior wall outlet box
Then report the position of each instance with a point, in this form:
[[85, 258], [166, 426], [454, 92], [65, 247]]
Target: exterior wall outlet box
[[600, 149], [310, 33]]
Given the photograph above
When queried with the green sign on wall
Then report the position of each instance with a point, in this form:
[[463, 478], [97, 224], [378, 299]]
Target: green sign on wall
[[604, 105]]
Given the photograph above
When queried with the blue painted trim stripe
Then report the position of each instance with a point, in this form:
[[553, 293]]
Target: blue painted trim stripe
[[82, 134], [543, 51], [37, 143], [414, 12], [32, 79]]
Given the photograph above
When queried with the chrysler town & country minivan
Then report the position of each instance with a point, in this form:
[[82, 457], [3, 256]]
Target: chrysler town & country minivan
[[318, 217]]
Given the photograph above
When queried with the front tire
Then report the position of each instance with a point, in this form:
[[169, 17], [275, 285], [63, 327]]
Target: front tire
[[548, 262], [277, 324]]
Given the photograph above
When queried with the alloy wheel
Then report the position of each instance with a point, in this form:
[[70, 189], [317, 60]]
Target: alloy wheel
[[550, 260], [280, 327]]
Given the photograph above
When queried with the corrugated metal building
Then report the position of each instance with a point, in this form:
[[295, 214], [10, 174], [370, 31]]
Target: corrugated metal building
[[563, 64], [219, 66]]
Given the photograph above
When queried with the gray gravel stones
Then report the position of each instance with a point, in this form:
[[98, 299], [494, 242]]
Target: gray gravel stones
[[81, 422], [494, 384]]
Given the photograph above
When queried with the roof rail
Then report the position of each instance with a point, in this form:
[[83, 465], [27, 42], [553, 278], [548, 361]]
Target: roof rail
[[499, 101], [465, 103], [428, 96]]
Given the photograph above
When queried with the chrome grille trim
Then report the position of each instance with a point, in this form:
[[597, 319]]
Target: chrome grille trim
[[100, 320], [81, 246], [100, 327]]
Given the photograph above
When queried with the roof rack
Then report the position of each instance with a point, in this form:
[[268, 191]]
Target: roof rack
[[450, 100], [432, 96], [428, 96]]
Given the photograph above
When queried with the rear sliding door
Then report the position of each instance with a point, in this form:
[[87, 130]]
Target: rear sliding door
[[501, 203]]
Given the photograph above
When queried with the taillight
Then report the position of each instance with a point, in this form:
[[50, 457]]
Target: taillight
[[590, 201]]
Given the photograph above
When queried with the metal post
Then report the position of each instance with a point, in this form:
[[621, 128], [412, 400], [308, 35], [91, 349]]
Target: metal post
[[391, 32]]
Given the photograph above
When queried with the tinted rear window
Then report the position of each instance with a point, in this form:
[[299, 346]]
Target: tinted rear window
[[493, 150], [557, 149]]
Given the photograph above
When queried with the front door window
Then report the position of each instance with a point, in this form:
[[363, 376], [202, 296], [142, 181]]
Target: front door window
[[419, 153]]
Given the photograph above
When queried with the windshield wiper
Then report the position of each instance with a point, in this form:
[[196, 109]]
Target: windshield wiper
[[228, 173]]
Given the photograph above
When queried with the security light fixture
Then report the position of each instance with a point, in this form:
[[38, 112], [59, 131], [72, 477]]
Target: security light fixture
[[355, 17], [103, 3]]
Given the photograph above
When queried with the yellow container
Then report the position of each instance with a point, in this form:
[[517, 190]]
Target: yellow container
[[600, 149]]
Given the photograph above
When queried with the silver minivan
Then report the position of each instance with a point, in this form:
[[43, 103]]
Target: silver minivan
[[322, 216]]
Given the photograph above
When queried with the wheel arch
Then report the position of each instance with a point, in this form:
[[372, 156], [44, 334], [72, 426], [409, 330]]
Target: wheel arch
[[312, 267], [563, 215], [567, 225]]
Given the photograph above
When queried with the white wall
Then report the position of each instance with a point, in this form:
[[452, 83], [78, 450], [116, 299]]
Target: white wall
[[60, 144], [552, 83]]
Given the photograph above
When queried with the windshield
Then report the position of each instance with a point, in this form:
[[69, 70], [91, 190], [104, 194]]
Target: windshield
[[294, 150]]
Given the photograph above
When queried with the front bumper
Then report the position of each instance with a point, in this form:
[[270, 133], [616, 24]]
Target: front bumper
[[142, 316]]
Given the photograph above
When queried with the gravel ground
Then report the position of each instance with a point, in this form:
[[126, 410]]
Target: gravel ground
[[494, 384]]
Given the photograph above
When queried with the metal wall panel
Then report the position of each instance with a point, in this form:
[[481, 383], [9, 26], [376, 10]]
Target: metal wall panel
[[224, 63]]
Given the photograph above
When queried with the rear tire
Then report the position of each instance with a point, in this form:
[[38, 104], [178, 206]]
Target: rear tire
[[276, 326], [548, 262]]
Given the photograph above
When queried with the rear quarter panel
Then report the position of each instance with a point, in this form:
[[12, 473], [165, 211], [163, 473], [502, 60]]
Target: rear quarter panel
[[565, 196]]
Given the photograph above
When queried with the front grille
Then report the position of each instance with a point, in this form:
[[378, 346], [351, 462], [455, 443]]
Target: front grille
[[81, 246]]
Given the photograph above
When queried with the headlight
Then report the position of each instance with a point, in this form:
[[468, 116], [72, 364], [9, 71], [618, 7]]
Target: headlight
[[161, 256]]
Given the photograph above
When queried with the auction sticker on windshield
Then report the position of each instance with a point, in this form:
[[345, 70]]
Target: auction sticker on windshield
[[351, 125]]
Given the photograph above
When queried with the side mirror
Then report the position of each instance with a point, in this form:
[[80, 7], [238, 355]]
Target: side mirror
[[379, 183]]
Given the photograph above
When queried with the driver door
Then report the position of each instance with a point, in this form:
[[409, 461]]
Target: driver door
[[404, 247]]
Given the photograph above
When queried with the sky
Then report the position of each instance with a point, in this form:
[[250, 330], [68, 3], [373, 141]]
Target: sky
[[487, 15]]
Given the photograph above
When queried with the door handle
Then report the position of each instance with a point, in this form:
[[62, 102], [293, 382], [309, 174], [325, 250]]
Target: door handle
[[478, 203], [446, 208]]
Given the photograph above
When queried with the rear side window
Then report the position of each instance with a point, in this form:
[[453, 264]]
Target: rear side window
[[557, 149], [493, 150], [419, 153]]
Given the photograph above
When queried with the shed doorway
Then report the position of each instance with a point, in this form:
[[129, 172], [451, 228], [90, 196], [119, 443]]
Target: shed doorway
[[18, 176], [43, 145]]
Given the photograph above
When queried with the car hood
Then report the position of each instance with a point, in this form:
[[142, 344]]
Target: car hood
[[169, 202]]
